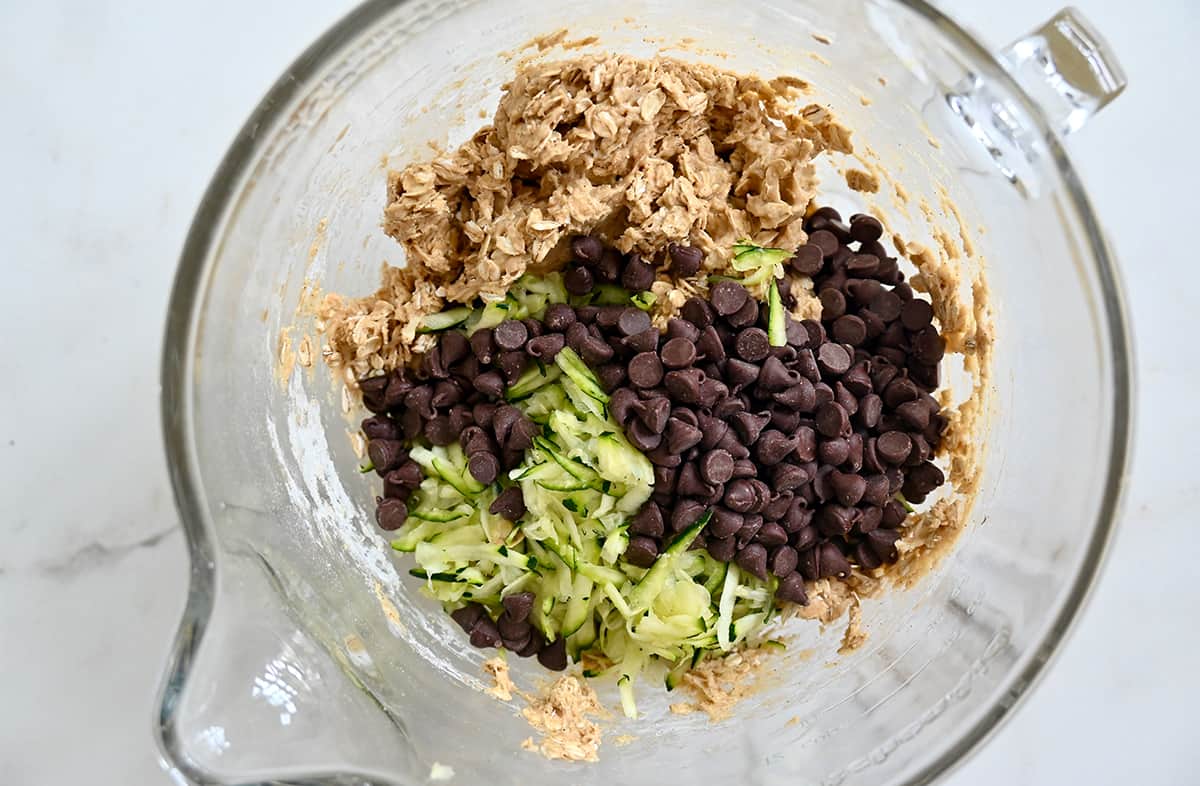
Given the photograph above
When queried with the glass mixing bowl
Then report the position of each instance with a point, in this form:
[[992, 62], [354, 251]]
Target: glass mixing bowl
[[305, 657]]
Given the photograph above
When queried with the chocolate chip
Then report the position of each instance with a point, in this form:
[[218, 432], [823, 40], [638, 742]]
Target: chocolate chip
[[642, 551], [833, 359], [468, 615], [728, 296], [753, 560], [771, 534], [791, 589], [808, 260], [832, 420], [511, 364], [587, 249], [713, 430], [683, 385], [690, 484], [646, 341], [554, 655], [899, 391], [774, 376], [914, 414], [578, 280], [648, 521], [824, 240], [746, 315], [681, 435], [739, 495], [509, 504], [484, 633], [685, 260], [391, 513], [883, 543], [862, 265], [686, 513], [722, 549], [772, 447], [752, 344], [678, 353], [595, 351], [654, 412], [833, 304], [849, 329], [927, 346], [848, 487], [612, 376], [834, 451], [558, 317], [381, 427], [545, 347], [749, 425], [921, 480], [510, 334], [716, 466], [893, 514], [886, 305], [608, 269], [832, 562], [645, 370], [697, 311], [638, 274], [864, 228], [893, 447], [633, 321], [916, 315], [641, 436], [681, 328]]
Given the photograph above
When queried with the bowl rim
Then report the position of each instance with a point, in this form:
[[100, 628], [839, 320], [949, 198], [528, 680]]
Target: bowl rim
[[175, 398]]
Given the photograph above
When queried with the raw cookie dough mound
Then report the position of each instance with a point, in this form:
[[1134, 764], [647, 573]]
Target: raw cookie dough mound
[[661, 149]]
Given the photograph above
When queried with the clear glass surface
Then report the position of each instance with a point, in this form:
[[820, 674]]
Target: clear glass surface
[[305, 656]]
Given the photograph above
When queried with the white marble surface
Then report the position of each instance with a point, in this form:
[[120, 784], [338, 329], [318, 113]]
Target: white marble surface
[[116, 113]]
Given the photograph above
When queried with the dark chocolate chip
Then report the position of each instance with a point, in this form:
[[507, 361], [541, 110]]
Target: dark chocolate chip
[[791, 589], [832, 420], [678, 353], [865, 228], [916, 315], [746, 315], [833, 562], [716, 466], [645, 370], [833, 304], [633, 321], [739, 495], [833, 359], [638, 274], [510, 334], [587, 249], [681, 435], [641, 551], [554, 655], [728, 296], [579, 280], [849, 329], [893, 447], [753, 560], [685, 260], [648, 521], [509, 503], [752, 345], [391, 513], [808, 260], [546, 346], [826, 241]]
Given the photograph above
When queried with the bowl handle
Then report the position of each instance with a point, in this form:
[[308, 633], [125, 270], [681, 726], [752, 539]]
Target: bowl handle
[[1067, 67]]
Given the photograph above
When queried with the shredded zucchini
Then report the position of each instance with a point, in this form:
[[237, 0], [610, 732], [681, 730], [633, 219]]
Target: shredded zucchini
[[581, 482]]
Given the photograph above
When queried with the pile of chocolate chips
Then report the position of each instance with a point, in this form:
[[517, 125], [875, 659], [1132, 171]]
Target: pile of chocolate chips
[[798, 450]]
